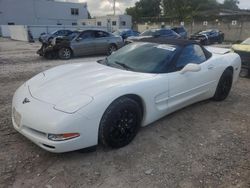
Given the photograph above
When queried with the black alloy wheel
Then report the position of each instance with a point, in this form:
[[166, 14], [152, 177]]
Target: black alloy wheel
[[120, 123]]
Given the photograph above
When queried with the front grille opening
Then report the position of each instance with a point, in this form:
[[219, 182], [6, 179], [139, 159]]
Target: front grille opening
[[48, 146]]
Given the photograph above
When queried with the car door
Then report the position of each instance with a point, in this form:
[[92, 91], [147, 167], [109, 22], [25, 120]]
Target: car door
[[83, 44], [101, 42], [189, 87]]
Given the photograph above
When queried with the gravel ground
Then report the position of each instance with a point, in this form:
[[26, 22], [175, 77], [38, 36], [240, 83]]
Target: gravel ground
[[204, 145]]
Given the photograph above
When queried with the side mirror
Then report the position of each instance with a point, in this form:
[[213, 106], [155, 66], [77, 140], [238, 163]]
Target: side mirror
[[79, 39], [191, 67]]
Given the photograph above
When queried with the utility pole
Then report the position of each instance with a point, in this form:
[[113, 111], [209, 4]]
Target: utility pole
[[114, 6]]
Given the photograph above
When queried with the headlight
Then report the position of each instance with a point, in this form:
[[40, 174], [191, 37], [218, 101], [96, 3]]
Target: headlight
[[73, 104], [53, 41], [62, 137]]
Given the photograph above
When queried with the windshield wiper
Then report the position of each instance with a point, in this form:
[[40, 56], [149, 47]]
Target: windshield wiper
[[123, 65]]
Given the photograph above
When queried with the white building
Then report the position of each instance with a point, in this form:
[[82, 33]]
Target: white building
[[41, 12], [112, 23]]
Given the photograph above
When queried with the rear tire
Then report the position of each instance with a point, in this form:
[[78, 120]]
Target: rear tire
[[224, 86], [65, 53], [120, 123]]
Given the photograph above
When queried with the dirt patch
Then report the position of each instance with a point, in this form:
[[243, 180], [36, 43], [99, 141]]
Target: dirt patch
[[204, 145]]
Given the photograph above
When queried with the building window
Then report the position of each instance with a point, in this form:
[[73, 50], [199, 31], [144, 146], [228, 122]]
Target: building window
[[74, 11], [234, 22], [123, 23], [99, 23], [205, 23], [113, 22], [83, 23], [11, 23], [74, 23]]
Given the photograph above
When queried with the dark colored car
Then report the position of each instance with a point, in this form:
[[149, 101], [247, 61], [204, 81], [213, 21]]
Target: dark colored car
[[208, 36], [166, 33], [47, 37], [181, 31], [81, 43], [125, 33]]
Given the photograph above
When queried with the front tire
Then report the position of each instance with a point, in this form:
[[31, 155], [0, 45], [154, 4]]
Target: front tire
[[112, 48], [224, 85], [244, 72], [65, 53], [120, 123]]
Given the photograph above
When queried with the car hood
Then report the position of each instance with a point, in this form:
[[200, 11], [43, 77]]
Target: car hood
[[85, 79], [45, 37], [241, 47], [199, 35]]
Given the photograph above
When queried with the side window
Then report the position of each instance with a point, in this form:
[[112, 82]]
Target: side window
[[100, 34], [86, 35], [190, 54], [165, 32]]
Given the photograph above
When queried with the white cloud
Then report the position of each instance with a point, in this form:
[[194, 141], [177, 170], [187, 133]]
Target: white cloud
[[104, 7]]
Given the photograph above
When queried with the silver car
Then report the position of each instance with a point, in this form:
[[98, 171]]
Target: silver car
[[88, 42]]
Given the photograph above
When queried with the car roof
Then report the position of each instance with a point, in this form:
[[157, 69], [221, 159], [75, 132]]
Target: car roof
[[164, 40]]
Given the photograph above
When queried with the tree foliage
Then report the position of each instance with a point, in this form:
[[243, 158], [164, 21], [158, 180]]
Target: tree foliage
[[180, 9], [145, 8], [231, 4], [186, 9]]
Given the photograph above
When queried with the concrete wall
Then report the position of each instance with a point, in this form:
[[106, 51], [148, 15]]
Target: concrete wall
[[18, 32], [4, 31], [237, 32], [36, 30], [40, 12]]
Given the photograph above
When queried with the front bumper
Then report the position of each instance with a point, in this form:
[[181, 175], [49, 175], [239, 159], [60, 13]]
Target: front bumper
[[45, 48], [38, 119]]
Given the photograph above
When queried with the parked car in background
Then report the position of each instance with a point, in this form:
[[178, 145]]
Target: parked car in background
[[243, 49], [166, 33], [125, 33], [208, 36], [83, 104], [181, 31], [47, 37], [87, 42]]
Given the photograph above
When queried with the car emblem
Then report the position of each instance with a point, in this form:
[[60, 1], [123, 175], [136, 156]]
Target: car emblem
[[26, 100]]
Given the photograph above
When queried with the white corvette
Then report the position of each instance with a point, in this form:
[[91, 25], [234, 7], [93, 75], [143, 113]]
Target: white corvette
[[75, 106]]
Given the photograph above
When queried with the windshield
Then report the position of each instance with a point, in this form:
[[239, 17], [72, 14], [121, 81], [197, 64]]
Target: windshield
[[148, 33], [142, 57], [73, 35], [117, 32], [247, 41]]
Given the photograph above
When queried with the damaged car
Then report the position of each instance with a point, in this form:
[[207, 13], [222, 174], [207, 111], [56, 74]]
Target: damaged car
[[208, 36], [80, 43], [47, 37]]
